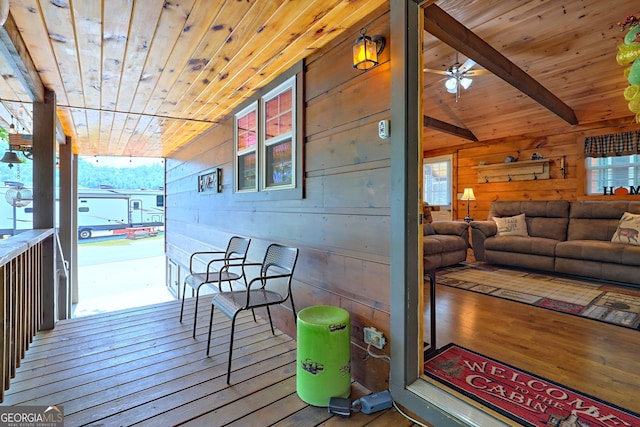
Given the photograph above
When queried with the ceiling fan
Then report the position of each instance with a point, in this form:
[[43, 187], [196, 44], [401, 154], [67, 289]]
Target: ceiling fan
[[458, 75]]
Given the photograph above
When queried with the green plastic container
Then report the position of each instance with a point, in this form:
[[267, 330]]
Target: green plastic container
[[324, 354]]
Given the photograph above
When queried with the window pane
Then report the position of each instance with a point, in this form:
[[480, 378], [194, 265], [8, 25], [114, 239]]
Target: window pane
[[247, 171], [279, 170], [611, 172], [247, 131], [278, 114], [436, 183]]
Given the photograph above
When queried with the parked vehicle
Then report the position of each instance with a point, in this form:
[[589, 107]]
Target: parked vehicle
[[99, 209]]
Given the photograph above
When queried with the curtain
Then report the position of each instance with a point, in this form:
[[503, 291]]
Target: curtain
[[616, 144]]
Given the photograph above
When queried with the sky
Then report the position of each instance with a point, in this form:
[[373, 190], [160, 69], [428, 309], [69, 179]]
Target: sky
[[122, 162]]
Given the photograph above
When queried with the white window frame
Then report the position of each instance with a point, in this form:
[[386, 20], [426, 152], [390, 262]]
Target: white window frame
[[608, 166], [265, 142], [238, 153], [448, 159]]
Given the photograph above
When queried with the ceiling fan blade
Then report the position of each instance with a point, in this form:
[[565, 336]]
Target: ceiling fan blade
[[472, 73], [467, 65], [431, 70]]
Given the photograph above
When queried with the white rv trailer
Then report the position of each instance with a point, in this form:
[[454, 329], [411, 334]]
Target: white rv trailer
[[99, 209]]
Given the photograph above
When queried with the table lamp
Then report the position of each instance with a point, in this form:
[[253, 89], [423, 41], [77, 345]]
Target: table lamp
[[468, 195]]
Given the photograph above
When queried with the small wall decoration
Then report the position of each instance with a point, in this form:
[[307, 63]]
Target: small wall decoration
[[210, 182]]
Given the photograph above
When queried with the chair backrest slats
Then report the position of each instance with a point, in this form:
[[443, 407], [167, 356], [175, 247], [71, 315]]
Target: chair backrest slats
[[237, 248]]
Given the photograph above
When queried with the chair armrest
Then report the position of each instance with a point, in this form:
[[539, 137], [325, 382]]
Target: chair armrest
[[197, 254], [456, 228], [480, 231]]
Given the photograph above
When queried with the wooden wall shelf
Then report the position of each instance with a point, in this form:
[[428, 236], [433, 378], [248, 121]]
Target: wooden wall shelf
[[527, 170]]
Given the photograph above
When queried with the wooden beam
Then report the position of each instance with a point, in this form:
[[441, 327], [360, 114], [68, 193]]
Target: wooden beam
[[13, 48], [456, 35], [15, 52], [439, 125]]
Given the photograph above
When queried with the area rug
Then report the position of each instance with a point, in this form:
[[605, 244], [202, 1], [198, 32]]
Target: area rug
[[595, 300], [528, 399]]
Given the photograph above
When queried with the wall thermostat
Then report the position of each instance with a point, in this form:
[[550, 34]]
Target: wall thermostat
[[383, 129]]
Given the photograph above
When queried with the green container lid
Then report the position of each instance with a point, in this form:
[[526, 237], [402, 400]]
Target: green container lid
[[324, 354]]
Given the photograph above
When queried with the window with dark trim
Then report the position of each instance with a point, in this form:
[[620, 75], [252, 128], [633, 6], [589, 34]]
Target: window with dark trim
[[268, 140]]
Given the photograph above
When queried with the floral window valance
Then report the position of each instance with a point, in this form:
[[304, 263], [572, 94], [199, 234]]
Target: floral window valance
[[616, 144]]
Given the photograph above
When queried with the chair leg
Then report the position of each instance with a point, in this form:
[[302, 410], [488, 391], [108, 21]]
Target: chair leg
[[295, 314], [254, 314], [184, 288], [195, 312], [210, 323], [233, 327], [270, 322]]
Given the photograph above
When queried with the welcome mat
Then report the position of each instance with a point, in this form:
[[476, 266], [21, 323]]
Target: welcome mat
[[595, 300], [521, 396]]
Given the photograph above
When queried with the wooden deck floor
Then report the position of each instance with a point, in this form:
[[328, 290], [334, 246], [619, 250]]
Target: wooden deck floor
[[141, 366]]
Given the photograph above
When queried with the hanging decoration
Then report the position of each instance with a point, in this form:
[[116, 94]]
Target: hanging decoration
[[629, 53]]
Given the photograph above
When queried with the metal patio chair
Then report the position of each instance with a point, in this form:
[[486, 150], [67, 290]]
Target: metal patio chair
[[225, 266], [271, 287]]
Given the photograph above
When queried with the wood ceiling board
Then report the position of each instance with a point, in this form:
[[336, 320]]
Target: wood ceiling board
[[61, 35], [197, 26], [38, 44], [87, 16], [173, 22], [266, 63], [106, 126], [115, 34], [142, 28], [209, 60], [239, 48], [117, 126]]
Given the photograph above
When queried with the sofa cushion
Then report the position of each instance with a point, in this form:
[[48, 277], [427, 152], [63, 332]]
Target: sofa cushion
[[511, 225], [522, 245], [628, 230], [546, 219], [597, 219], [599, 251]]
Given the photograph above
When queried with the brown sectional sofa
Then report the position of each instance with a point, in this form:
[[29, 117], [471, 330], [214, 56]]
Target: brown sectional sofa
[[564, 237]]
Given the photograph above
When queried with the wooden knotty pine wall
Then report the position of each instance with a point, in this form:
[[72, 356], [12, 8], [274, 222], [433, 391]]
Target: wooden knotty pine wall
[[342, 226], [552, 147]]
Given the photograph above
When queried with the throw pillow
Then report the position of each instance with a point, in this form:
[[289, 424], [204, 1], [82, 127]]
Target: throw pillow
[[511, 225], [628, 230]]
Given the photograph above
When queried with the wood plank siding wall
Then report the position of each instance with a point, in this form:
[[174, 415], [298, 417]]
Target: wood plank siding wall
[[341, 226], [553, 147]]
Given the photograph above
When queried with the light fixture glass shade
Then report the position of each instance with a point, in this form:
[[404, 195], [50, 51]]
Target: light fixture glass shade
[[468, 194], [466, 82], [12, 129], [365, 53], [451, 84]]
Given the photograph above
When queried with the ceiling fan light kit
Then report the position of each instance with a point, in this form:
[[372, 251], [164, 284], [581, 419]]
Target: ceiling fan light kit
[[458, 76]]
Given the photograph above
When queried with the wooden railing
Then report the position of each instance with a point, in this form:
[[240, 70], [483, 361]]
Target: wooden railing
[[21, 296]]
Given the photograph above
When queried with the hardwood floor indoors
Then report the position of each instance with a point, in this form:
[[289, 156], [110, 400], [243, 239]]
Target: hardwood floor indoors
[[586, 355], [140, 366]]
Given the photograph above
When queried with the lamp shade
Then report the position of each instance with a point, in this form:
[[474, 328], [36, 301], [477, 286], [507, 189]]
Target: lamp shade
[[468, 194]]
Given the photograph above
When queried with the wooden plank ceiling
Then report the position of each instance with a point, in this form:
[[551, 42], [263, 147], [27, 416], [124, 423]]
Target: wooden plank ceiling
[[144, 77], [567, 46]]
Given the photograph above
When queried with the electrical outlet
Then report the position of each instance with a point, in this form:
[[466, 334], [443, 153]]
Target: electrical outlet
[[374, 337]]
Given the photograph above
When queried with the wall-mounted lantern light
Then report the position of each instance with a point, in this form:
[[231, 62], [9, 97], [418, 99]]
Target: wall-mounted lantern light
[[366, 50]]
